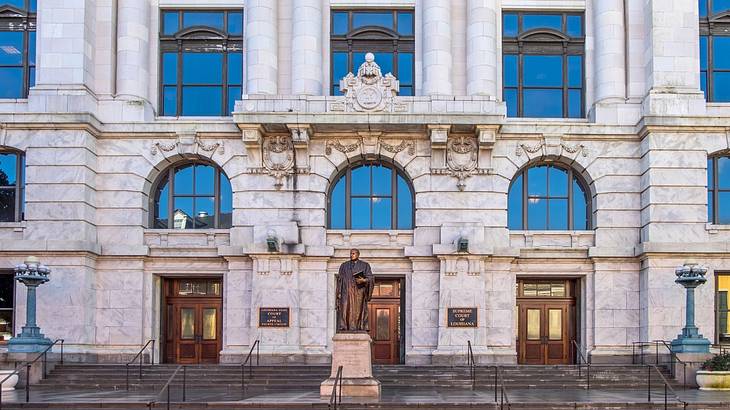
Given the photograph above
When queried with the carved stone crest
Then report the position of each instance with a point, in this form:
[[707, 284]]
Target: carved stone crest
[[462, 158], [370, 90], [278, 159]]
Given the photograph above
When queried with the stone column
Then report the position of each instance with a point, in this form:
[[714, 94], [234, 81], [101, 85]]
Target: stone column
[[306, 76], [262, 44], [481, 47], [437, 47], [133, 50], [610, 55]]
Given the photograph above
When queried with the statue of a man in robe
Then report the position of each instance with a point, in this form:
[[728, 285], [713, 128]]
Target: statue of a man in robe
[[355, 284]]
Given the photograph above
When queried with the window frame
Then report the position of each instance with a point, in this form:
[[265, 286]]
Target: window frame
[[361, 39], [23, 20], [347, 174], [19, 187], [168, 176], [572, 174], [545, 42], [715, 188], [198, 39], [717, 307], [711, 26]]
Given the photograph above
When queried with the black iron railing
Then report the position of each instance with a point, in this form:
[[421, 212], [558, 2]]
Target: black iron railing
[[141, 356], [166, 388], [503, 397], [28, 365], [336, 396], [582, 361], [667, 388], [666, 348], [471, 363], [249, 361]]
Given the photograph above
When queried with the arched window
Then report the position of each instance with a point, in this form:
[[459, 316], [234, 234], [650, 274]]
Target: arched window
[[371, 196], [718, 189], [12, 186], [548, 197], [193, 195]]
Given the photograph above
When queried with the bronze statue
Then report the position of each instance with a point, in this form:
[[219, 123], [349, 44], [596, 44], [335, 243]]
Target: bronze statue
[[355, 284]]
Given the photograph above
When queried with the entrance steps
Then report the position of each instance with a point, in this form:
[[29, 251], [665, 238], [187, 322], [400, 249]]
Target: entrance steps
[[273, 378]]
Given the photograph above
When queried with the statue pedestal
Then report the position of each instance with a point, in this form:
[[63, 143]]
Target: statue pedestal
[[352, 352]]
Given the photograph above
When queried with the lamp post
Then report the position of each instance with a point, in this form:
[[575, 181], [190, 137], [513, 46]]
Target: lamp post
[[32, 274], [690, 276]]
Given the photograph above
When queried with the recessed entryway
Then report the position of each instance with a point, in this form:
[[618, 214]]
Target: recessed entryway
[[192, 320], [386, 321], [546, 312]]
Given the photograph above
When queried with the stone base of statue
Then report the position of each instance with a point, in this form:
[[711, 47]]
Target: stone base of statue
[[352, 352]]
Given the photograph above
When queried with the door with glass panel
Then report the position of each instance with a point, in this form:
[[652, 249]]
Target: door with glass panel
[[192, 321], [546, 321], [386, 323]]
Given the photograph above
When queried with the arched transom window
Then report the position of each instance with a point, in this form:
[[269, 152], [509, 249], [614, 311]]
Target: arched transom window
[[548, 197], [718, 189], [371, 196], [193, 195]]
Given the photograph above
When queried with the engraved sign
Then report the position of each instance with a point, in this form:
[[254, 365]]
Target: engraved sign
[[273, 317], [461, 317]]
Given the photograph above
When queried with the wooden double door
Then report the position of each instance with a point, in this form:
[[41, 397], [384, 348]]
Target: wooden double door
[[192, 320], [386, 322], [546, 321]]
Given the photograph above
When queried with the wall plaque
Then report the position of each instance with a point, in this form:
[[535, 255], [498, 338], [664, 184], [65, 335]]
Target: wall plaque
[[461, 317], [273, 317]]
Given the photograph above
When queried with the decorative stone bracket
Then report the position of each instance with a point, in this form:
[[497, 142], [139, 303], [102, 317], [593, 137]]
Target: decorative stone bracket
[[282, 266], [551, 144], [188, 143], [461, 155], [453, 266], [277, 155]]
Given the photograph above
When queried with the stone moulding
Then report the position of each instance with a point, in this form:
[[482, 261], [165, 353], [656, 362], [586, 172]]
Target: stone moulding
[[551, 145], [188, 145], [405, 145]]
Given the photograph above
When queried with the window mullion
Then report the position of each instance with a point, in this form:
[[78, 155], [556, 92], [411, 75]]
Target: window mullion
[[18, 179], [217, 198], [170, 199], [571, 224]]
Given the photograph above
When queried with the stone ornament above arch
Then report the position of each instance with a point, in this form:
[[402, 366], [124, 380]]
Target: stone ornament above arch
[[371, 146], [188, 143], [551, 145]]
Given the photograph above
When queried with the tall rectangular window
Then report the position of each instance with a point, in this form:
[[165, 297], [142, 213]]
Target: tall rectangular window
[[388, 34], [715, 50], [543, 64], [201, 62], [7, 305], [17, 47], [722, 309]]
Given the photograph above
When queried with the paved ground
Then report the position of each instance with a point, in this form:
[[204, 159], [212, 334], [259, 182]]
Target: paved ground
[[390, 396]]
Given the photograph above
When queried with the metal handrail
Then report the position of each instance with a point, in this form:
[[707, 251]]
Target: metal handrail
[[335, 396], [152, 403], [139, 355], [586, 362], [673, 357], [667, 386], [28, 365], [503, 397], [250, 363], [471, 363]]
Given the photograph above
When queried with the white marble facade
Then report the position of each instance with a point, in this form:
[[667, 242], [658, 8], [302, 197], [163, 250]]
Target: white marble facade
[[89, 130]]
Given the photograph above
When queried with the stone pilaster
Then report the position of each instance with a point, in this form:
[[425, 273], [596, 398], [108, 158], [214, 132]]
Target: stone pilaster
[[307, 47], [262, 44], [437, 59], [481, 51]]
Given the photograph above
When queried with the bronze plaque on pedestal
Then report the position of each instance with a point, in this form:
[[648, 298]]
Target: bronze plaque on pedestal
[[461, 317], [273, 317]]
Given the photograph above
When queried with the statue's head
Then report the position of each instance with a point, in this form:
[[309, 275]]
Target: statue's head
[[354, 254]]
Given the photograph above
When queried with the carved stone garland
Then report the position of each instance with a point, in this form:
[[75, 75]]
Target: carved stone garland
[[348, 148], [571, 149], [185, 146]]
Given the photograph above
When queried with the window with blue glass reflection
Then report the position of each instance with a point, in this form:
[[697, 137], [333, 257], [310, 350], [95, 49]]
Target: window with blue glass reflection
[[201, 62], [548, 197], [388, 34], [715, 50], [17, 48], [12, 186], [193, 195], [371, 196], [543, 64], [718, 189]]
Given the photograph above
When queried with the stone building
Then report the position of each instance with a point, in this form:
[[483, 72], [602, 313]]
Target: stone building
[[520, 174]]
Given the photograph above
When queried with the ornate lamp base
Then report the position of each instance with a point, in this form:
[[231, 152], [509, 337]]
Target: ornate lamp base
[[684, 344], [28, 341]]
